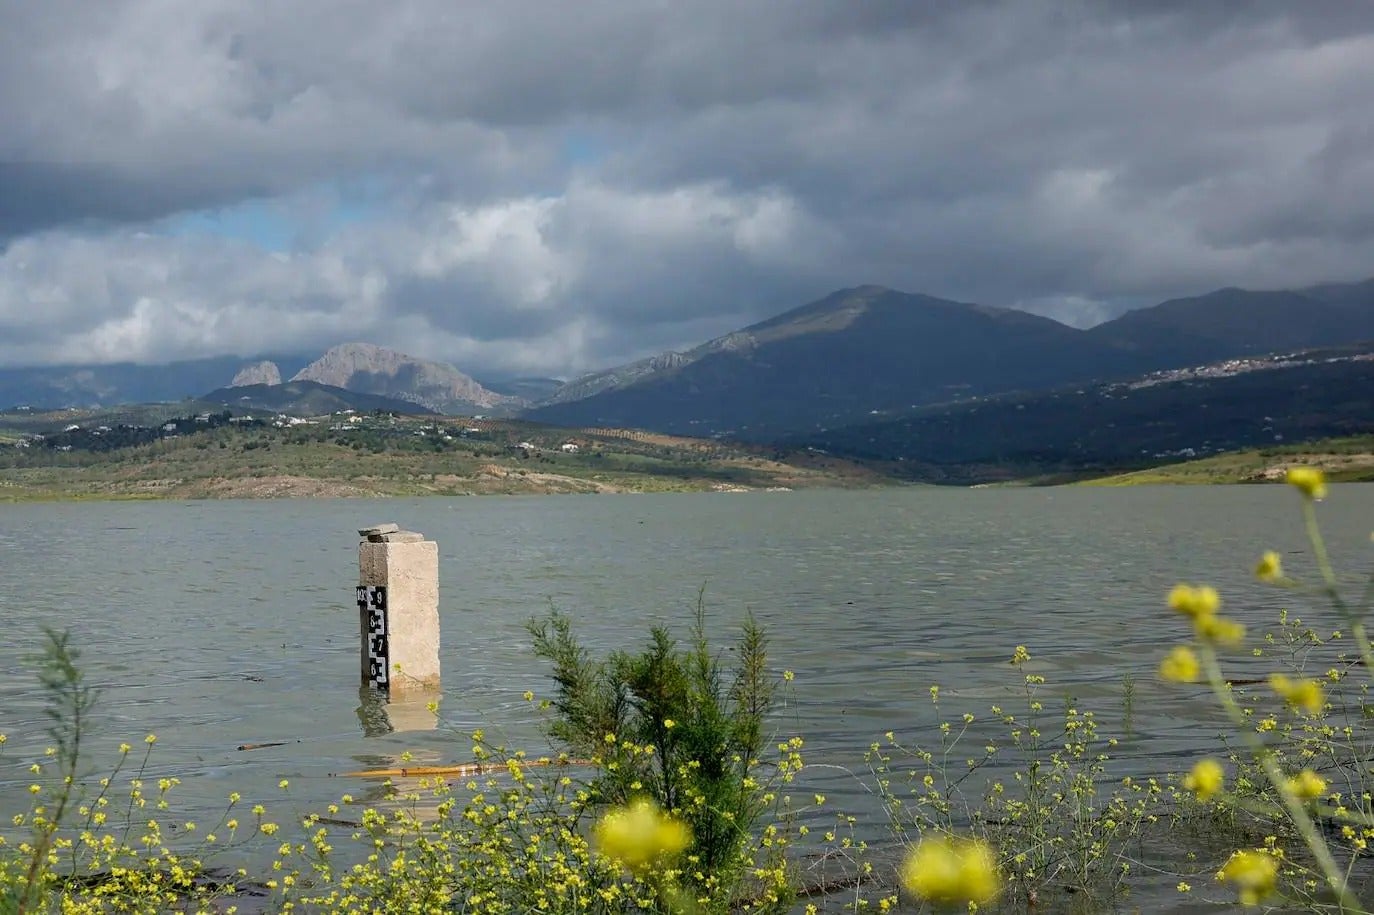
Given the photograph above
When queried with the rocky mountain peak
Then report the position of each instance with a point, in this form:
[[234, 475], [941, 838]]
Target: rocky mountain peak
[[257, 373], [373, 369]]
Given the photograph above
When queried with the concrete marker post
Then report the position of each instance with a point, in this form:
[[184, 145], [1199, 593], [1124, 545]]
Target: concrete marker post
[[398, 610]]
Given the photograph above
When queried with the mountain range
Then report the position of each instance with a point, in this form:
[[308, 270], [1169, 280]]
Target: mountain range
[[855, 358], [873, 351], [836, 360]]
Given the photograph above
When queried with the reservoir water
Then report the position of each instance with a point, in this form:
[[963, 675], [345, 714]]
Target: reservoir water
[[219, 624]]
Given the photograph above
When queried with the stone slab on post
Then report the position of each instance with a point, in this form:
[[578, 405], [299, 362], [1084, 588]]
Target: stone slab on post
[[398, 609]]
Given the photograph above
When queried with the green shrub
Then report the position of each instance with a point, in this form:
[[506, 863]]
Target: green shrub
[[670, 723]]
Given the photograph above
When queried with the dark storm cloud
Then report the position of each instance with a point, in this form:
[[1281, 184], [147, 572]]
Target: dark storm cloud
[[41, 195], [559, 186]]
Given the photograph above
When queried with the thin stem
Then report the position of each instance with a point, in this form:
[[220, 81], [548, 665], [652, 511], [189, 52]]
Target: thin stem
[[1328, 573], [1297, 813], [1368, 594], [1314, 534]]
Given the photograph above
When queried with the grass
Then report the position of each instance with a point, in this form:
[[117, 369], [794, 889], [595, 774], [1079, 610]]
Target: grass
[[1345, 460], [422, 456], [390, 457]]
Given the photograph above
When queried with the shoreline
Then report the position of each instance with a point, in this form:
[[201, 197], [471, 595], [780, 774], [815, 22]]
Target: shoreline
[[324, 491]]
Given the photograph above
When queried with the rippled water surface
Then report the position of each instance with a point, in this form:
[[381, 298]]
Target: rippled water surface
[[216, 624]]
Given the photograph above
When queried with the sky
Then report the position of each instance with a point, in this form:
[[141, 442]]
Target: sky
[[548, 188]]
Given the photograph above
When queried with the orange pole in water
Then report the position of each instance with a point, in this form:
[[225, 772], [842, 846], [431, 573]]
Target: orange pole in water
[[459, 771]]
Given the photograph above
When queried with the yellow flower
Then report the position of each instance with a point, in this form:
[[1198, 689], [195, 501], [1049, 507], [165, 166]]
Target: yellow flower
[[952, 872], [1219, 631], [1310, 481], [1194, 601], [1270, 567], [1206, 779], [1253, 873], [1307, 785], [1180, 666], [1306, 695], [639, 834]]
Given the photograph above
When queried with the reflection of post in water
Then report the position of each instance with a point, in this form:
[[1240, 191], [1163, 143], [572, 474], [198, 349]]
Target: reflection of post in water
[[372, 713], [380, 716], [410, 711]]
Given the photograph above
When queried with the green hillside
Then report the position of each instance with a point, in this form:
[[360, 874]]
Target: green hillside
[[379, 455], [1098, 430], [1345, 460]]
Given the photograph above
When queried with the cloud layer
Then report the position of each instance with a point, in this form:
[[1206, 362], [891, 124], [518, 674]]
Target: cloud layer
[[538, 187]]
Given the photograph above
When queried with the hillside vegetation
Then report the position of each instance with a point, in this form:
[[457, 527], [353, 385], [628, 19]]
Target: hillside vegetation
[[1097, 430], [1347, 460], [382, 455]]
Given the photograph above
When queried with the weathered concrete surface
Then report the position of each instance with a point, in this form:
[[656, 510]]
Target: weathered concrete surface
[[410, 572], [397, 537], [369, 532]]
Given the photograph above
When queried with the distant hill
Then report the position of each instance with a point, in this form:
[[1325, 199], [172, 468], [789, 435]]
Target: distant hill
[[870, 351], [1169, 416], [308, 398], [153, 414], [836, 360], [1240, 322], [369, 369], [530, 390], [589, 385], [91, 386], [97, 386]]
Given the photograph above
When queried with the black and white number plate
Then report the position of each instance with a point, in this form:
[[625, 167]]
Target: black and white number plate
[[372, 606]]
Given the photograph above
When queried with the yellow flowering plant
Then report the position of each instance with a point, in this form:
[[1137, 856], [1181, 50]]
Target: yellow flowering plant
[[87, 849], [951, 872], [1289, 730], [1310, 481], [639, 835], [1180, 665], [1206, 779], [1026, 788], [1270, 567], [1254, 874]]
